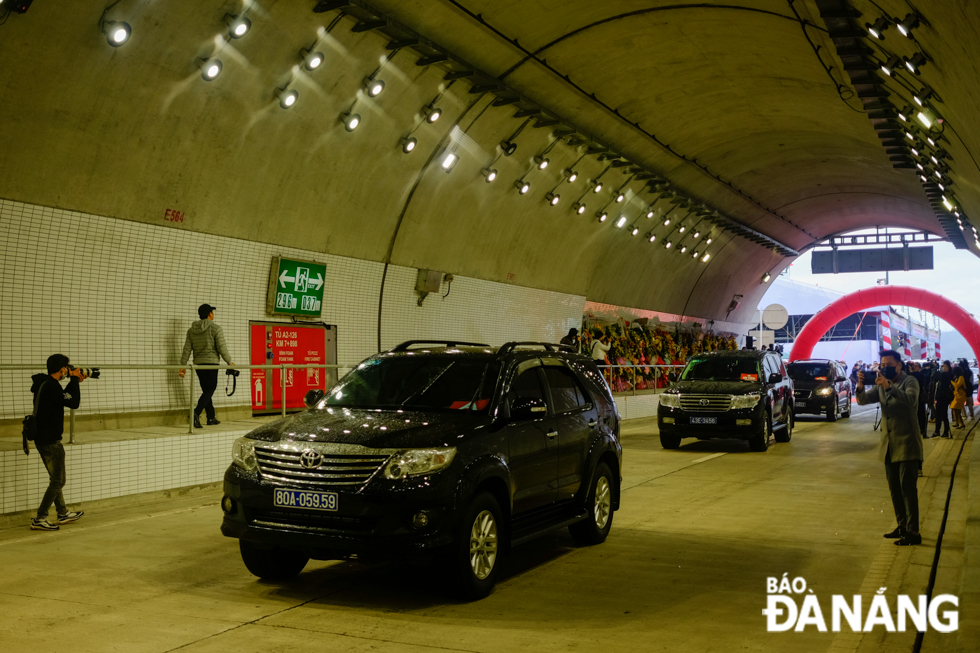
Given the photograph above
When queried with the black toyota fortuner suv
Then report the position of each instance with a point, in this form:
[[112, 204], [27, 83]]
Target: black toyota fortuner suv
[[745, 395], [448, 451]]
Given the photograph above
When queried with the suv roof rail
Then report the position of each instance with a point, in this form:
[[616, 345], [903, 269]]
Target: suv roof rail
[[448, 343], [548, 346]]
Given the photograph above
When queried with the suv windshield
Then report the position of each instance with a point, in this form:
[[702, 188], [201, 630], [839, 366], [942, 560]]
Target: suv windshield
[[808, 371], [417, 383], [722, 368]]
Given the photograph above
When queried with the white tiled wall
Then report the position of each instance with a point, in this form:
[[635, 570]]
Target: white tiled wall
[[109, 291], [113, 469]]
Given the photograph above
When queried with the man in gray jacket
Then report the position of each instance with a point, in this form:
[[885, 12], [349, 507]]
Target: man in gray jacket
[[207, 341], [900, 447]]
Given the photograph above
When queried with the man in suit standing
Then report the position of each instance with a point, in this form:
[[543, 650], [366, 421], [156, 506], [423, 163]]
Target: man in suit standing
[[900, 447]]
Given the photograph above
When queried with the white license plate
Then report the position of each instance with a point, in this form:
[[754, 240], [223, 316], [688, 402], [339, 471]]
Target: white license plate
[[305, 500], [704, 420], [801, 404]]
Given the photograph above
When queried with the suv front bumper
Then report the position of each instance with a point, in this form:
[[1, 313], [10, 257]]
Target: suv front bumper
[[376, 523], [740, 424]]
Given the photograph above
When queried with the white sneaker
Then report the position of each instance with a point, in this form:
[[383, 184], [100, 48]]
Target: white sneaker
[[69, 517]]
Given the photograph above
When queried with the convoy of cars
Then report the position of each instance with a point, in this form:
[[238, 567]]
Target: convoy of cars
[[443, 451]]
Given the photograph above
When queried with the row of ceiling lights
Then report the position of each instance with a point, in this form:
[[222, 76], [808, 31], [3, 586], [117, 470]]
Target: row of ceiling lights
[[118, 33], [921, 118]]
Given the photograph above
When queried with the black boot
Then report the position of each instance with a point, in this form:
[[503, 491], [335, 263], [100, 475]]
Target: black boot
[[896, 534], [197, 422], [212, 421]]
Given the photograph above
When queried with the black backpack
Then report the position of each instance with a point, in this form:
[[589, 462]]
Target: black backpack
[[30, 422]]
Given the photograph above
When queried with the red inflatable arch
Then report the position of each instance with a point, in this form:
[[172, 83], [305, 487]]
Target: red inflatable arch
[[861, 300]]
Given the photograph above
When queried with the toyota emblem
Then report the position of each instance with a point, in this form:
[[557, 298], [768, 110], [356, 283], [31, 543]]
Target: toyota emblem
[[311, 459], [705, 402]]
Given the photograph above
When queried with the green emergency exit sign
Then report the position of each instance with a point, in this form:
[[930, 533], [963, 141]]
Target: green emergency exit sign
[[295, 287]]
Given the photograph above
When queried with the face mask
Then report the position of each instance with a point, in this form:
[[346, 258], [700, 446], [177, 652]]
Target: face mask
[[889, 372]]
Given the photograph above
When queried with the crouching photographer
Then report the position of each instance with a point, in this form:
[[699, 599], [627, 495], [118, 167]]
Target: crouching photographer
[[50, 401]]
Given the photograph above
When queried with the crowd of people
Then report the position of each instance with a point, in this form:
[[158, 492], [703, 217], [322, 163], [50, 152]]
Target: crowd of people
[[944, 388], [639, 344]]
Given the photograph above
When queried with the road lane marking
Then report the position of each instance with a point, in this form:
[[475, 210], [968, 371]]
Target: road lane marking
[[714, 455]]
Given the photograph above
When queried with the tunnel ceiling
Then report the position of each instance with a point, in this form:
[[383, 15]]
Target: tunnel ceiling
[[769, 121]]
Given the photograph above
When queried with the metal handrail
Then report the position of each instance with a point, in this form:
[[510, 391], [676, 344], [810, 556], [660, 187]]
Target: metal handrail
[[192, 367]]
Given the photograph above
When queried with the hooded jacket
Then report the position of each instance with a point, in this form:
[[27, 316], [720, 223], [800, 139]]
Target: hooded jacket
[[207, 341], [51, 406]]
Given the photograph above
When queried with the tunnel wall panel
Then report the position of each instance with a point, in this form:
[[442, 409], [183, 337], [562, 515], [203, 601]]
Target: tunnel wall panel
[[110, 291]]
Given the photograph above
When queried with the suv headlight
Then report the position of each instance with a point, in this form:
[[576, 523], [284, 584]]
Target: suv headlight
[[746, 401], [243, 454], [670, 400], [823, 392], [415, 462]]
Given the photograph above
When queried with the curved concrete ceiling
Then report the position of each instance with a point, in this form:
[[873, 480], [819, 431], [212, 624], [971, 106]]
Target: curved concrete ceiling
[[727, 101]]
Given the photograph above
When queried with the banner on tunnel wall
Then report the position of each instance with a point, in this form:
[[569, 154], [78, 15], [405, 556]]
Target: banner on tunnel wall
[[278, 343]]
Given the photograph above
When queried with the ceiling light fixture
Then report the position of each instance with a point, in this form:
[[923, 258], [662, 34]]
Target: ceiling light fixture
[[350, 120], [311, 59], [878, 28], [620, 197], [890, 65], [541, 162], [431, 113], [923, 95], [409, 143], [708, 240], [116, 32], [650, 213], [667, 244], [553, 198], [449, 161], [508, 147], [682, 229], [620, 222], [766, 277], [287, 97], [238, 26], [489, 174], [905, 112], [597, 187], [651, 237], [635, 231], [917, 61], [909, 23], [696, 253], [602, 215], [570, 174], [373, 87], [578, 207], [683, 249], [210, 69], [666, 222], [522, 186]]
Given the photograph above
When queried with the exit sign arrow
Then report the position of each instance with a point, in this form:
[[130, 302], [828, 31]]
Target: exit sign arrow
[[284, 278], [316, 283]]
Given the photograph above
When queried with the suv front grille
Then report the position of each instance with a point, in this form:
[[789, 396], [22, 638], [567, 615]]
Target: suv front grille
[[706, 403], [801, 394], [284, 465]]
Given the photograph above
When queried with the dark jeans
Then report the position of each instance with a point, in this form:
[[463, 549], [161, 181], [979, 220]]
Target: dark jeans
[[53, 456], [902, 477], [941, 412], [923, 420], [209, 381]]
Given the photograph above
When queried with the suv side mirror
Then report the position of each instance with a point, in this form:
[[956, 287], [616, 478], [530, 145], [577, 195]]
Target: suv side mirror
[[312, 398], [775, 377], [528, 408]]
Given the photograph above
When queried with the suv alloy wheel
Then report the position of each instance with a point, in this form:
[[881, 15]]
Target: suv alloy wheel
[[785, 434], [595, 529], [833, 409], [760, 441], [477, 548]]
